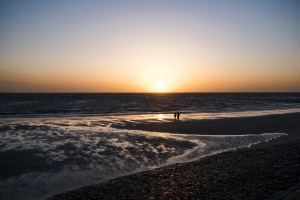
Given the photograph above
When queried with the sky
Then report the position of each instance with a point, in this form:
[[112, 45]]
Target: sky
[[150, 46]]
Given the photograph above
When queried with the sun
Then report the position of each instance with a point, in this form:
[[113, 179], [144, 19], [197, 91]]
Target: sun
[[160, 86]]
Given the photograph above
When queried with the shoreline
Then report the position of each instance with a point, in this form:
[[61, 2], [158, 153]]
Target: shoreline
[[276, 123], [258, 172], [244, 173]]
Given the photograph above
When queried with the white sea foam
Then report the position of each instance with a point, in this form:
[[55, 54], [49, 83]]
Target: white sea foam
[[213, 144], [56, 155]]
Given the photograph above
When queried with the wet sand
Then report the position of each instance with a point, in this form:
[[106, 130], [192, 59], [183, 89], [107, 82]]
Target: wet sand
[[268, 170], [281, 123]]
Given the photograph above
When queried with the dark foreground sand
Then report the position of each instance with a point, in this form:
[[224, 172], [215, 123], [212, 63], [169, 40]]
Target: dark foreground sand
[[270, 170]]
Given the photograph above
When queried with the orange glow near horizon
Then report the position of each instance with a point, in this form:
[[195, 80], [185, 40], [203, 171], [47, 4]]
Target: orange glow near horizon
[[165, 77]]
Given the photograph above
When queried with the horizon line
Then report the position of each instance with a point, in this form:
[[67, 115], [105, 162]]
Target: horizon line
[[145, 92]]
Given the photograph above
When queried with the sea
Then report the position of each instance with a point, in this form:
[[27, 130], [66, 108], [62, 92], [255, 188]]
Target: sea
[[51, 143]]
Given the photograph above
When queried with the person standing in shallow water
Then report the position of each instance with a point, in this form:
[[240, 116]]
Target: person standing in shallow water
[[175, 115], [178, 114]]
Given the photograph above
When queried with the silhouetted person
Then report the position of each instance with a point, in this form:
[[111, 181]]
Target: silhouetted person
[[178, 114], [175, 115]]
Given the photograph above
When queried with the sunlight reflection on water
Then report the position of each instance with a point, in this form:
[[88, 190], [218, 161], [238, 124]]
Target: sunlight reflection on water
[[164, 117]]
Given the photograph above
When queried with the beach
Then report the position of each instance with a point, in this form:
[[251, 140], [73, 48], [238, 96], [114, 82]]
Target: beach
[[276, 123], [266, 170]]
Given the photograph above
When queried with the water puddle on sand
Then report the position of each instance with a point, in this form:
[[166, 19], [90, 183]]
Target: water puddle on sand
[[43, 157]]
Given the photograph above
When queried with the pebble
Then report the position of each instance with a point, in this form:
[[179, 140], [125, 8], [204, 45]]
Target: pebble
[[268, 173]]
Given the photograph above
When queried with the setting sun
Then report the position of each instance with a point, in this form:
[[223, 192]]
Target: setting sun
[[160, 86]]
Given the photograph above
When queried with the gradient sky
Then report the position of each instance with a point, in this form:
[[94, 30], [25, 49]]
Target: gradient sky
[[150, 45]]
